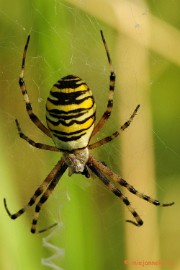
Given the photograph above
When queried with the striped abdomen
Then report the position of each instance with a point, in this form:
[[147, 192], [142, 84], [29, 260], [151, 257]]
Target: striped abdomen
[[70, 113]]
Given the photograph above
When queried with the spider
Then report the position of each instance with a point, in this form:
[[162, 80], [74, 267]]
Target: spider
[[70, 117]]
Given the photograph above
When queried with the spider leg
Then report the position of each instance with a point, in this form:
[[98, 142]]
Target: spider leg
[[22, 85], [60, 166], [116, 133], [112, 79], [45, 196], [33, 143], [124, 183], [97, 171]]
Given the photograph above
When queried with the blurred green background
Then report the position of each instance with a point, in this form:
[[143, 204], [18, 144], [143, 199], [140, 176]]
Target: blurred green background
[[143, 38]]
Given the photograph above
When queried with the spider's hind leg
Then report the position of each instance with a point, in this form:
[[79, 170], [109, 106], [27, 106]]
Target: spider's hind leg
[[86, 172], [45, 189], [24, 92], [60, 169], [116, 191], [106, 171]]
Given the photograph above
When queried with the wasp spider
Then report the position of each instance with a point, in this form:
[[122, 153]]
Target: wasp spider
[[70, 117]]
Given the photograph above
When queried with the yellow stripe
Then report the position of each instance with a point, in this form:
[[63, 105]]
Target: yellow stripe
[[70, 90]]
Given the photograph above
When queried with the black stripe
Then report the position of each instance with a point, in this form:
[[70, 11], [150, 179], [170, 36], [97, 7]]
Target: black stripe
[[68, 139], [70, 95], [70, 82], [110, 103], [56, 111], [67, 117], [56, 132], [112, 76], [68, 101], [71, 122], [71, 77]]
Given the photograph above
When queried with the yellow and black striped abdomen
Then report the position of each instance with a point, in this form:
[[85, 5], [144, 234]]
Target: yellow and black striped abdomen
[[70, 113]]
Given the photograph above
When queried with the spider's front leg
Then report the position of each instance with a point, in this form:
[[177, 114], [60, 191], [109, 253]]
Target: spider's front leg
[[112, 79], [24, 92]]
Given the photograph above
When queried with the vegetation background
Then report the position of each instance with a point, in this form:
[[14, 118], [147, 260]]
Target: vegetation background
[[144, 41]]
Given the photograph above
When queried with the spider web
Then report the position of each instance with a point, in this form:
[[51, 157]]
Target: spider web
[[66, 40]]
